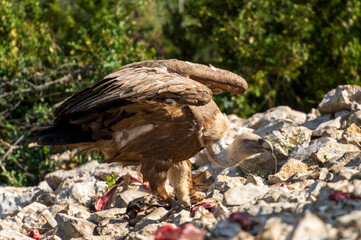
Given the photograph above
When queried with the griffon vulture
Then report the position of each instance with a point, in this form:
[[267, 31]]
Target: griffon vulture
[[156, 114]]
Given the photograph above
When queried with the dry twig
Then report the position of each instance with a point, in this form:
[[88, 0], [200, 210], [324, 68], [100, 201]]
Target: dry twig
[[43, 86]]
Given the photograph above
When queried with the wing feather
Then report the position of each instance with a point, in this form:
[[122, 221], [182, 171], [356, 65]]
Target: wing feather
[[136, 85]]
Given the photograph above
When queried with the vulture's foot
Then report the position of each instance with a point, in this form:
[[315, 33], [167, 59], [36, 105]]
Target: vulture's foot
[[176, 207]]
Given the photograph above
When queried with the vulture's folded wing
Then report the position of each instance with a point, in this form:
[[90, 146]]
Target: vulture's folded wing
[[218, 80], [137, 84]]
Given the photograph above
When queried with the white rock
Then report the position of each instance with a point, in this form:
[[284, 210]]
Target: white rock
[[311, 227], [344, 97], [225, 230], [13, 199], [124, 198], [106, 214], [71, 227], [13, 235], [279, 113], [244, 194], [76, 190]]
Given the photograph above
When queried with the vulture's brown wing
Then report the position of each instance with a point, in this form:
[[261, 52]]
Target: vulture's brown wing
[[137, 84], [218, 80]]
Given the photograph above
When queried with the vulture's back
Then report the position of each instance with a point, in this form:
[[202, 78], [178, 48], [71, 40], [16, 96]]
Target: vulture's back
[[149, 110]]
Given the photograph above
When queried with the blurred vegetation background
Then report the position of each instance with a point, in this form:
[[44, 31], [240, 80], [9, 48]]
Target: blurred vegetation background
[[290, 52]]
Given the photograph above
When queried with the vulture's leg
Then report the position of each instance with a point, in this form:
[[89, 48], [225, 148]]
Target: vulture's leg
[[155, 172], [180, 177]]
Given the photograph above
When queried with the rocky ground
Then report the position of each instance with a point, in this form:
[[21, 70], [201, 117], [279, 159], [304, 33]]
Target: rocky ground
[[314, 194]]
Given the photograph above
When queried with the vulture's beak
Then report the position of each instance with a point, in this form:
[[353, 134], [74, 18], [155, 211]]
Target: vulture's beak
[[265, 144]]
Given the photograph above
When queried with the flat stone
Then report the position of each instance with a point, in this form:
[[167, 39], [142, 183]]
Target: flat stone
[[144, 233], [314, 123], [315, 188], [272, 115], [74, 190], [288, 138], [342, 186], [328, 127], [223, 183], [13, 235], [293, 166], [304, 150], [106, 214], [49, 218], [72, 227], [352, 218], [332, 150], [124, 198], [352, 135], [345, 173], [114, 228], [13, 199], [273, 230], [271, 126], [244, 194], [256, 180], [180, 217], [90, 169], [225, 230], [30, 218], [311, 227], [153, 217], [344, 97]]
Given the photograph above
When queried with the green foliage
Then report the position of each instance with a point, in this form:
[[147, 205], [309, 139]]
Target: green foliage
[[290, 53], [43, 41], [110, 179]]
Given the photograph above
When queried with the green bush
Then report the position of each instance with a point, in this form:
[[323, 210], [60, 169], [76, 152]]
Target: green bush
[[290, 53], [48, 50]]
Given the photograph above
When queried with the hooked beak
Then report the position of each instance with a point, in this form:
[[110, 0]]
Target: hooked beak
[[265, 144]]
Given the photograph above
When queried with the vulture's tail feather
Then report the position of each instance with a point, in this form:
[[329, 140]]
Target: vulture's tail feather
[[62, 133]]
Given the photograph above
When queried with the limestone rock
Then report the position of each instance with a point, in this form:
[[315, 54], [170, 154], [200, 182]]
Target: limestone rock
[[274, 229], [13, 235], [344, 97], [244, 194], [181, 217], [312, 124], [13, 199], [278, 113], [332, 150], [124, 198], [72, 227], [352, 135], [76, 191], [97, 217], [223, 183], [225, 230], [114, 228], [355, 118], [293, 166], [311, 226]]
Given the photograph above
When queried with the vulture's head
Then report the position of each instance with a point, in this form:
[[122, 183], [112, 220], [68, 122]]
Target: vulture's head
[[248, 144], [243, 146]]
